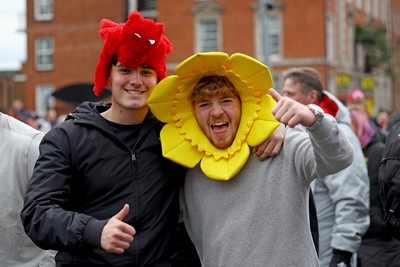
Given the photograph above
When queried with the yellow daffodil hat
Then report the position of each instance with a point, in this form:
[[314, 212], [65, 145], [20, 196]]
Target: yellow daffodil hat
[[183, 141]]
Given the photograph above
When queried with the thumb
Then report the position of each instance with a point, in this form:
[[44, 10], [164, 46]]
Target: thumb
[[122, 213], [275, 95]]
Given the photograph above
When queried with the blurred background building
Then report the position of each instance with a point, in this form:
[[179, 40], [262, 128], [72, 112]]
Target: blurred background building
[[352, 43]]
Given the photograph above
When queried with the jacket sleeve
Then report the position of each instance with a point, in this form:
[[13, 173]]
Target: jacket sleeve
[[349, 193], [331, 149], [45, 215]]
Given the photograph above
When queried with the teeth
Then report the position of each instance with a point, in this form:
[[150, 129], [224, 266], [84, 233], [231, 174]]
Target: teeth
[[218, 124], [134, 92]]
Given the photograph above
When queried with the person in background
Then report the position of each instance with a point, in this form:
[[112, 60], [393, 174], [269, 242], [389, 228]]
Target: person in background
[[31, 118], [356, 100], [17, 107], [19, 149], [342, 199], [393, 120], [240, 211], [382, 119], [49, 121], [378, 248]]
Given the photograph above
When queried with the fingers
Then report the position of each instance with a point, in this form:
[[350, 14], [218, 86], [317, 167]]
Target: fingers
[[117, 235], [115, 240], [122, 213], [275, 95]]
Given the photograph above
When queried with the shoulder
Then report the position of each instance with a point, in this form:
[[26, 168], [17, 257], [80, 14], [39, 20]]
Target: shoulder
[[14, 128]]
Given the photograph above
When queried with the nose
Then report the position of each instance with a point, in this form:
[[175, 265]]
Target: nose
[[135, 79], [217, 110]]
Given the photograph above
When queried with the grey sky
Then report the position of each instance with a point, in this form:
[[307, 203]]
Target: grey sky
[[13, 40]]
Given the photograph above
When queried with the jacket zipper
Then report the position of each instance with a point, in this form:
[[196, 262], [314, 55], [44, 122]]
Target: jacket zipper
[[135, 179], [135, 172]]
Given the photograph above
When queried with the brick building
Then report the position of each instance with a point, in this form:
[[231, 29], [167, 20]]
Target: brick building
[[63, 46], [63, 43]]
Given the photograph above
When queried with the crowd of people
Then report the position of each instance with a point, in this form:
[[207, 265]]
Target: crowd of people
[[32, 118], [209, 166]]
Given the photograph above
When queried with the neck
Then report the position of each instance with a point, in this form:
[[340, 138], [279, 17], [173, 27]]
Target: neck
[[124, 116]]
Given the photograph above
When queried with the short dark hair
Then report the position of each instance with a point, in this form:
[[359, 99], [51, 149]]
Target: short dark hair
[[308, 78], [212, 86]]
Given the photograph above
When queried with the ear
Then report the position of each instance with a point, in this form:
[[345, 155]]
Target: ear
[[313, 96], [108, 83]]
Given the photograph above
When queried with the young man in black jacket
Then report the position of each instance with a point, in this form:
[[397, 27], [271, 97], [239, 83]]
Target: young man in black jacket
[[101, 193]]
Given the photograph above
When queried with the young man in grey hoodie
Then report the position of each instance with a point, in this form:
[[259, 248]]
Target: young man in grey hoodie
[[257, 215]]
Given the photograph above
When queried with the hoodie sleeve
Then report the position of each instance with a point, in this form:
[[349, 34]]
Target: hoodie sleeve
[[349, 193], [45, 208]]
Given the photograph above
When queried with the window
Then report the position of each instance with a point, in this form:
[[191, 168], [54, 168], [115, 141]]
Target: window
[[274, 35], [148, 8], [44, 50], [43, 98], [207, 38], [146, 5], [43, 10]]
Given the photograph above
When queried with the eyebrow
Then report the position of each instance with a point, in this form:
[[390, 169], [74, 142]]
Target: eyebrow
[[146, 66], [142, 65]]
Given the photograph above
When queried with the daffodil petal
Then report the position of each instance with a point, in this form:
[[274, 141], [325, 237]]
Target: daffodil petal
[[199, 62], [224, 169], [260, 131], [253, 71], [161, 99], [266, 106], [176, 148]]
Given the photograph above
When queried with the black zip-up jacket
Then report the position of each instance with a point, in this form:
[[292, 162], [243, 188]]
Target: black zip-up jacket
[[85, 175]]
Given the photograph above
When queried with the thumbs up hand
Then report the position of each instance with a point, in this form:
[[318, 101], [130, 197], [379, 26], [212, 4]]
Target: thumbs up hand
[[117, 235], [290, 112]]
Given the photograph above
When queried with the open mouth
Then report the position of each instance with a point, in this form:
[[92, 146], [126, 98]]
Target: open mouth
[[219, 127]]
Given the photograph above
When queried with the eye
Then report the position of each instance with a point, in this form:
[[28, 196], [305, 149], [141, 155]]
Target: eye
[[124, 70], [202, 105], [227, 100], [147, 71]]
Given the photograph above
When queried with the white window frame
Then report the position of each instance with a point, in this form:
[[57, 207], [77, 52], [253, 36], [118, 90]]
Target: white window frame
[[44, 48], [43, 98], [368, 7], [330, 53], [350, 41], [359, 4], [375, 8], [43, 10], [208, 34]]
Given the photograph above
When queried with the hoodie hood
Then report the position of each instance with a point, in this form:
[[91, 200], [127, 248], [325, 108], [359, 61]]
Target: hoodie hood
[[88, 112], [342, 114]]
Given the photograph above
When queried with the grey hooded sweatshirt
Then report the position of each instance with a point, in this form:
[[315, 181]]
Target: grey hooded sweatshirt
[[260, 217], [342, 199]]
